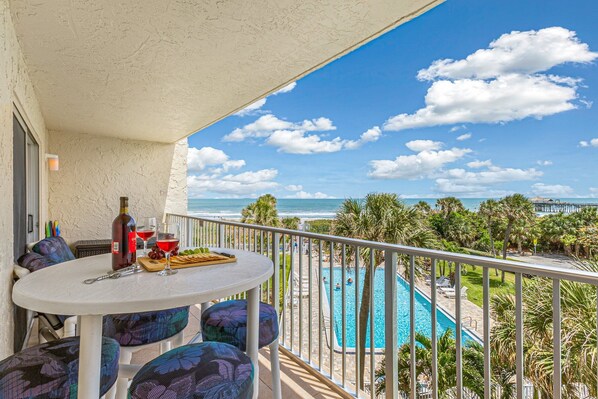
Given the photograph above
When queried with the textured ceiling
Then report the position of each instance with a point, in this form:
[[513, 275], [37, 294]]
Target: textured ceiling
[[161, 70]]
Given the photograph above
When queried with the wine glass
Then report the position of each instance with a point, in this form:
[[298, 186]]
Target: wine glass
[[146, 229], [167, 241]]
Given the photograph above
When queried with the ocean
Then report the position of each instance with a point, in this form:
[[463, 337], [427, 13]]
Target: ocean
[[307, 209]]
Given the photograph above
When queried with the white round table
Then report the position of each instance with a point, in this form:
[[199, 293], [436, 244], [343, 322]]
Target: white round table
[[60, 290]]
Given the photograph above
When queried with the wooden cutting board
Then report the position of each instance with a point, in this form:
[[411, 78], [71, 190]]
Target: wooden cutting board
[[182, 262]]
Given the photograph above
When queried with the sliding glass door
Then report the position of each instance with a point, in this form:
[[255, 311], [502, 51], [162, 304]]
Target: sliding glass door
[[26, 167]]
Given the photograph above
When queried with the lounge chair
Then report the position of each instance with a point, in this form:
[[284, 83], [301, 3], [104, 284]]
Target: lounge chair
[[438, 280], [443, 283], [452, 294]]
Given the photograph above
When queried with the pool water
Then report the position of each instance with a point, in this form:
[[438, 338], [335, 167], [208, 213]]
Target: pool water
[[423, 312]]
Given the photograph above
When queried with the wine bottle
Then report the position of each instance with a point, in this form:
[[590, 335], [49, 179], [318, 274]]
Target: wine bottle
[[124, 241]]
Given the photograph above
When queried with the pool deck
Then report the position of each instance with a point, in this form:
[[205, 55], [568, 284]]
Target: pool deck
[[345, 370]]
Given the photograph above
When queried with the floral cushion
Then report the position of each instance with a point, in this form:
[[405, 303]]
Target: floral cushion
[[54, 248], [227, 322], [33, 261], [208, 370], [50, 370], [136, 329]]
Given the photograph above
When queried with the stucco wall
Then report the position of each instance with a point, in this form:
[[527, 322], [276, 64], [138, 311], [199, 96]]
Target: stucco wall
[[15, 91], [95, 171]]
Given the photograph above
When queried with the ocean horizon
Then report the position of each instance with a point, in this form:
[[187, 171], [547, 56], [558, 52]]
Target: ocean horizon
[[308, 209]]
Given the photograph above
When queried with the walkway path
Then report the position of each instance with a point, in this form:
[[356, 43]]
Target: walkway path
[[548, 259]]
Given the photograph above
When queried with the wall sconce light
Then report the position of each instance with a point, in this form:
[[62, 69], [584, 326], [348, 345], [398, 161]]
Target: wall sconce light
[[53, 163]]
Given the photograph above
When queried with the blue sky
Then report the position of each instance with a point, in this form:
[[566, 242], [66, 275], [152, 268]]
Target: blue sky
[[427, 110]]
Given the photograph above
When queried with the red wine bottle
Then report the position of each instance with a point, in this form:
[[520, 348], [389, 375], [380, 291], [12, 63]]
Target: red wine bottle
[[124, 241]]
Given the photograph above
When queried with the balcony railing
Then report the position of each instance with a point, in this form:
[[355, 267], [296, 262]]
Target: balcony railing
[[307, 305]]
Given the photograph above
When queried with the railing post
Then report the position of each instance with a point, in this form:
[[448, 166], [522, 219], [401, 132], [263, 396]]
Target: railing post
[[390, 323], [221, 236], [188, 232], [276, 275]]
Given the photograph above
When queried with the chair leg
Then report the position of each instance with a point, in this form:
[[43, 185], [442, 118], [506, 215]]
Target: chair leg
[[275, 369], [122, 384], [178, 340], [165, 346]]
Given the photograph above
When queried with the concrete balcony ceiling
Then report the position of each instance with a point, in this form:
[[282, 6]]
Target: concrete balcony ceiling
[[161, 70]]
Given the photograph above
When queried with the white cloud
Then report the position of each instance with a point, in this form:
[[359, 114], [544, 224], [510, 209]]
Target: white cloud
[[209, 172], [298, 142], [299, 138], [369, 136], [463, 181], [551, 190], [504, 99], [479, 164], [256, 107], [243, 184], [265, 125], [464, 137], [502, 83], [252, 108], [420, 165], [286, 88], [457, 128], [198, 159], [516, 52], [544, 162], [593, 192], [294, 187], [424, 145], [589, 143], [306, 195]]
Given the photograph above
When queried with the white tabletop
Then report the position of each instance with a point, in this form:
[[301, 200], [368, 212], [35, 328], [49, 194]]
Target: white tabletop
[[60, 289]]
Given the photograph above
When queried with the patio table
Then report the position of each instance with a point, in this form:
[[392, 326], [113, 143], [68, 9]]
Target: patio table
[[60, 290]]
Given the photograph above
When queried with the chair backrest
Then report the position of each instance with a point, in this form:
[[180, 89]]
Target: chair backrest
[[54, 248], [31, 245]]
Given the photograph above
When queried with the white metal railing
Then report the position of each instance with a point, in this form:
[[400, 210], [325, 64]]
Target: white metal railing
[[308, 331]]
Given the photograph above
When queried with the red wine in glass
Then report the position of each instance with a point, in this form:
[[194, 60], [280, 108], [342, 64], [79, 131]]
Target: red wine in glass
[[167, 245], [145, 235], [167, 240], [146, 229]]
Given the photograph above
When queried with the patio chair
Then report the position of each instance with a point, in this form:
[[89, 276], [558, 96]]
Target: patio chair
[[440, 279], [204, 370], [41, 254], [227, 322], [444, 290], [452, 294], [443, 282], [50, 370]]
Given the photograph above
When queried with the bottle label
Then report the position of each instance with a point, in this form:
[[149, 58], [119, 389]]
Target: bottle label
[[115, 247], [132, 242]]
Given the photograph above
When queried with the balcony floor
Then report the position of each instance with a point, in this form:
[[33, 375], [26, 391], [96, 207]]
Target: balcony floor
[[296, 381]]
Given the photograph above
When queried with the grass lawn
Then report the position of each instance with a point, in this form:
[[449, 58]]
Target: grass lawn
[[473, 281]]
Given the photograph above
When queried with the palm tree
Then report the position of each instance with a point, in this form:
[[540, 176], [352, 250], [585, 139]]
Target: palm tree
[[448, 205], [263, 212], [578, 335], [473, 365], [515, 208], [490, 210], [423, 207], [291, 223], [383, 218]]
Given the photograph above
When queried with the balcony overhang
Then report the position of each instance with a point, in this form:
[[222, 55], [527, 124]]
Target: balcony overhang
[[162, 70]]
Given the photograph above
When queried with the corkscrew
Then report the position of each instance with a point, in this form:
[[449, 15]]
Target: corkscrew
[[114, 275]]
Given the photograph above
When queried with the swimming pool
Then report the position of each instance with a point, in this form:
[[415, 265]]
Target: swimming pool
[[423, 312]]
